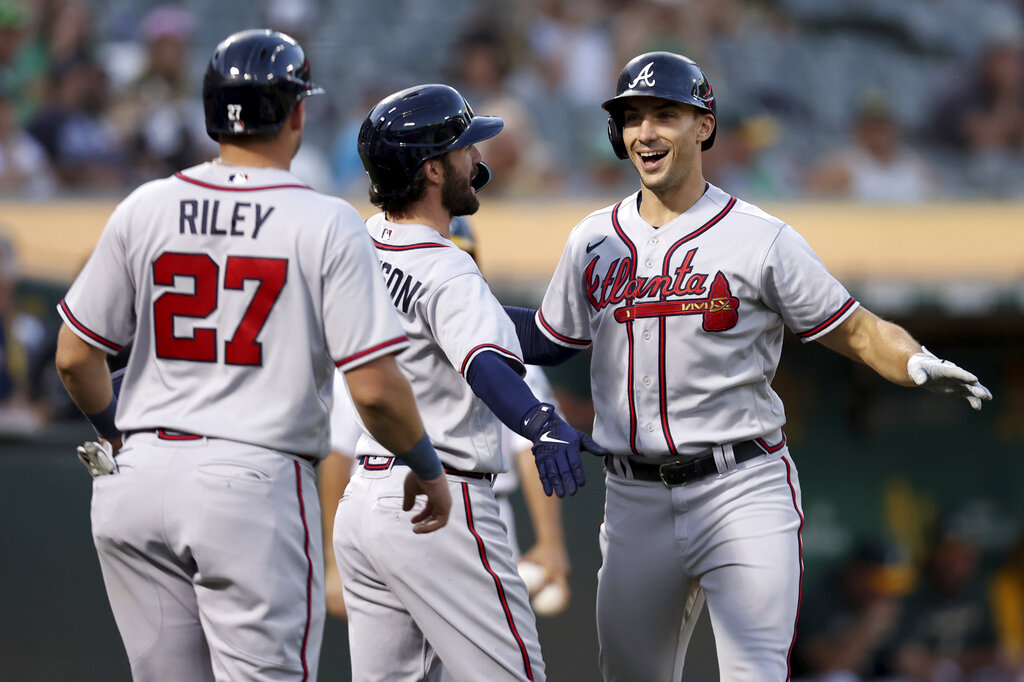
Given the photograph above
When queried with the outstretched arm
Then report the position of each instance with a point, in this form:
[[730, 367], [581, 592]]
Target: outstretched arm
[[556, 445], [891, 351], [537, 348]]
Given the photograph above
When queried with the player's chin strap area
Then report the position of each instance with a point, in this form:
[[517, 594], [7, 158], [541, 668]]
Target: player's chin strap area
[[684, 470]]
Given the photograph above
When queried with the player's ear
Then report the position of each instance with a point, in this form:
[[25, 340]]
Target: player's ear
[[297, 119], [707, 126], [434, 170]]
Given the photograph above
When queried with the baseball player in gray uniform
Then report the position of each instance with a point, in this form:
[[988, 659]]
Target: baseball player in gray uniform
[[450, 604], [240, 290], [683, 292]]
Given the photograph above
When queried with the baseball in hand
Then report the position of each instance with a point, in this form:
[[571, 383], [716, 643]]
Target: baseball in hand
[[534, 575], [550, 601]]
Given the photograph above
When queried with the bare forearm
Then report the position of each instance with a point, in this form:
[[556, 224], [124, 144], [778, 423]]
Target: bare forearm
[[883, 346], [385, 402], [333, 475], [83, 371], [545, 511]]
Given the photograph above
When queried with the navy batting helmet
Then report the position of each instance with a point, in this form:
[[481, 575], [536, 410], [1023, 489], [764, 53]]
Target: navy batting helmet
[[419, 123], [659, 74], [253, 81]]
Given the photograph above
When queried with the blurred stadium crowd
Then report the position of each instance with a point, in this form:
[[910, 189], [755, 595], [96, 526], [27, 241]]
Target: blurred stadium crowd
[[865, 100], [870, 100]]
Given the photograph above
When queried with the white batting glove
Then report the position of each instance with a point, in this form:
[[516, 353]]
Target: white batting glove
[[942, 376], [98, 458]]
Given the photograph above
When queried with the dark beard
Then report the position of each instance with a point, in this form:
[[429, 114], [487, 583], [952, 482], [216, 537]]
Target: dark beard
[[457, 195]]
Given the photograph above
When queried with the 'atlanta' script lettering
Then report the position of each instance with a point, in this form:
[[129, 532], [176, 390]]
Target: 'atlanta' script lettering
[[617, 284]]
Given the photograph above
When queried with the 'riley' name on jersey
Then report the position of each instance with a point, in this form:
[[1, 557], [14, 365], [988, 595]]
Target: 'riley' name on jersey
[[204, 216]]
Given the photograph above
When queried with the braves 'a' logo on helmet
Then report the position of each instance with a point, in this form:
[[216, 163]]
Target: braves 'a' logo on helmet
[[646, 76]]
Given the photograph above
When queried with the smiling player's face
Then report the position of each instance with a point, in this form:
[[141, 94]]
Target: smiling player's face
[[663, 139]]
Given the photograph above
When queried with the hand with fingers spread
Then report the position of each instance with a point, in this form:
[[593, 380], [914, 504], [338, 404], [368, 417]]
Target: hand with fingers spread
[[556, 448], [942, 376], [439, 502]]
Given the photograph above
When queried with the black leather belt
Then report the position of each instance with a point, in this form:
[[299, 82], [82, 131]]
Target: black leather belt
[[448, 470], [678, 472]]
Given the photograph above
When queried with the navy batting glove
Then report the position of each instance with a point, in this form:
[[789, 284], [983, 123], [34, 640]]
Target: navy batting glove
[[556, 449]]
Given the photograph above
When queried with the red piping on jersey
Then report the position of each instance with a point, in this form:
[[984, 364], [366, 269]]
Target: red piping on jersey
[[800, 557], [408, 247], [85, 330], [497, 580], [832, 318], [630, 398], [705, 227], [662, 399], [207, 185], [560, 337], [482, 346], [662, 331], [309, 571], [164, 434], [372, 349], [771, 448]]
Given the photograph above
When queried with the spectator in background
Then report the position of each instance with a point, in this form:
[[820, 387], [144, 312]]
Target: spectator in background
[[62, 31], [79, 140], [570, 55], [522, 165], [1006, 599], [947, 632], [24, 168], [312, 164], [877, 166], [984, 115], [156, 116], [744, 159], [23, 342], [847, 627], [14, 19], [669, 25], [347, 173]]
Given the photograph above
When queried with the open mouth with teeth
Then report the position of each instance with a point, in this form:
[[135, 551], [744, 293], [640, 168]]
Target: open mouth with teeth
[[650, 160]]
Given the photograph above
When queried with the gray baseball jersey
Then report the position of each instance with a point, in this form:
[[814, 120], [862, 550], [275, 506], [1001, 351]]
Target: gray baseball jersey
[[239, 290], [686, 321], [233, 284], [451, 604], [698, 303], [450, 316]]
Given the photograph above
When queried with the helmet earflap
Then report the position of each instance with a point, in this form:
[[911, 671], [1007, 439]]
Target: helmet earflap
[[615, 137]]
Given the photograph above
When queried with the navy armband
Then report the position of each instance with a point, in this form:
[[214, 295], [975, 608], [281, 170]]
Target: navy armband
[[423, 460], [103, 421]]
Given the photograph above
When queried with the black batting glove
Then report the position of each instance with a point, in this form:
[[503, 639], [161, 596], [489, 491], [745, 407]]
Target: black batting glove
[[556, 449]]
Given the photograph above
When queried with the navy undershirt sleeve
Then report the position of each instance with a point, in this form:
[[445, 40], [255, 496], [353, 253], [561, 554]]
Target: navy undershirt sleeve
[[537, 348], [501, 388]]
